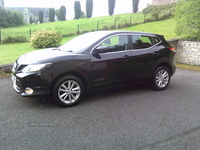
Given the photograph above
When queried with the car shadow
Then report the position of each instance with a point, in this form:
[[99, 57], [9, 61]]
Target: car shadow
[[95, 94], [113, 91]]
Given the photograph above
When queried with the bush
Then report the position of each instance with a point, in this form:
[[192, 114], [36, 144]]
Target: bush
[[17, 39], [119, 26], [105, 27], [187, 18], [160, 12], [45, 39]]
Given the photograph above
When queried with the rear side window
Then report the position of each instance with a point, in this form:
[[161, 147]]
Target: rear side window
[[141, 42]]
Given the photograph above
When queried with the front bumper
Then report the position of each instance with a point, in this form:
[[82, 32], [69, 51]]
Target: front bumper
[[21, 82]]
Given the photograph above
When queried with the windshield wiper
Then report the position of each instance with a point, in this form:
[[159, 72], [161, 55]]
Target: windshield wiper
[[56, 49]]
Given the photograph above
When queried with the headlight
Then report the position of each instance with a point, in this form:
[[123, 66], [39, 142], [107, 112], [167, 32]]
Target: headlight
[[35, 68]]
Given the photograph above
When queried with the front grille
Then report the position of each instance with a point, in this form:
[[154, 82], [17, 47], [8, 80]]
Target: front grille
[[21, 67], [16, 84], [17, 87], [17, 67], [14, 67]]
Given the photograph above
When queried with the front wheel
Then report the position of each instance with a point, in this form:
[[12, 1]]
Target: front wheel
[[161, 78], [67, 91]]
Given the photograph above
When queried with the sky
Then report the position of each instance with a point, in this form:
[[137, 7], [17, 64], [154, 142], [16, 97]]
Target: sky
[[100, 7]]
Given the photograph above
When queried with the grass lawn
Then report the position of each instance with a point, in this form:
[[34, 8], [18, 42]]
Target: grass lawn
[[165, 27], [71, 27], [10, 52], [188, 67]]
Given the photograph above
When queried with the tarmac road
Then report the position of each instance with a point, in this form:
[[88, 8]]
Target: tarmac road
[[130, 117]]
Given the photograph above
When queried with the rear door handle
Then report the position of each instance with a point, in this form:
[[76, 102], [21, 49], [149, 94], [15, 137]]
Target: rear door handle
[[156, 54], [126, 57]]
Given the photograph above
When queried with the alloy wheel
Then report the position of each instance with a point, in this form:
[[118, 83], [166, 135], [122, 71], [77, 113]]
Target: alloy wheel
[[69, 91], [162, 78]]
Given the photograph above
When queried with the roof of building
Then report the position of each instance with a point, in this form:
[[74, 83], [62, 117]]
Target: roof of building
[[15, 8], [35, 10]]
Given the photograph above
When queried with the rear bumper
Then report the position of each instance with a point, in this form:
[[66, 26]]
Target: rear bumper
[[173, 70]]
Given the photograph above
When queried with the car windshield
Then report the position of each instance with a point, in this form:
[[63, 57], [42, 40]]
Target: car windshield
[[81, 42]]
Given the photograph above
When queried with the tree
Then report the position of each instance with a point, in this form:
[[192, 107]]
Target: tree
[[187, 15], [41, 16], [111, 7], [58, 14], [2, 2], [62, 13], [135, 5], [52, 14], [89, 8], [82, 15], [77, 9], [10, 18], [31, 20], [3, 19]]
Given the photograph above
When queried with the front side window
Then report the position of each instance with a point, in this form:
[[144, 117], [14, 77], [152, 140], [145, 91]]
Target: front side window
[[116, 43], [141, 42]]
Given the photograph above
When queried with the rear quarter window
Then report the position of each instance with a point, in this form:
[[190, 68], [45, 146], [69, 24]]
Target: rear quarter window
[[157, 40]]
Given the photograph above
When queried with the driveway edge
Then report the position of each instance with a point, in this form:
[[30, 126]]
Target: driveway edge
[[6, 68]]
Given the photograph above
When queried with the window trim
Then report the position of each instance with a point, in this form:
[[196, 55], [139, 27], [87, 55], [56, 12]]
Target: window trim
[[127, 34], [151, 38]]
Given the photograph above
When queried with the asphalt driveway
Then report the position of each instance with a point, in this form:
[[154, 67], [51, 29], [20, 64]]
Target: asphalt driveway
[[128, 117]]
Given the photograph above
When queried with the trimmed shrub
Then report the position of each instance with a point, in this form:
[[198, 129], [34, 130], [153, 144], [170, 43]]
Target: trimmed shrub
[[45, 39], [105, 27], [17, 39], [119, 26]]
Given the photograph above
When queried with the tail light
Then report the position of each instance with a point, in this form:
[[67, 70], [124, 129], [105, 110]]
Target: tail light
[[172, 49]]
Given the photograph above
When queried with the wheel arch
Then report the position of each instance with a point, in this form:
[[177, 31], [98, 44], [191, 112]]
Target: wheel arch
[[72, 73], [165, 65]]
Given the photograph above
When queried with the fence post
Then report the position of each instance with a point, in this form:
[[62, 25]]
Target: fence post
[[144, 18], [97, 25], [115, 22], [30, 32], [78, 31], [0, 37]]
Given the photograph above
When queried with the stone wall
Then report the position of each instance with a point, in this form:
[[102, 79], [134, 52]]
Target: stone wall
[[187, 51]]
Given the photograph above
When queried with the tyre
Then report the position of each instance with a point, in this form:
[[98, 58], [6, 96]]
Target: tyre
[[67, 91], [161, 78]]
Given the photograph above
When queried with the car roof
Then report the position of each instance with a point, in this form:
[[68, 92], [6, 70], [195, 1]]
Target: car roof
[[107, 32]]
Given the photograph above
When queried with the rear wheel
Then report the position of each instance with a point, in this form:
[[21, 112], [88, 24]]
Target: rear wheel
[[161, 78], [67, 91]]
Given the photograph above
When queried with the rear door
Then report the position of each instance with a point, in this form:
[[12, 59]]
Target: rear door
[[144, 54]]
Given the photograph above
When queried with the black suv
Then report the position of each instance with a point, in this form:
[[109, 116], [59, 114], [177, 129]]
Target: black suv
[[101, 58]]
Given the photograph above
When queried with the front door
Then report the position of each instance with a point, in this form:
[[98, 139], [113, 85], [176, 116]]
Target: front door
[[111, 65]]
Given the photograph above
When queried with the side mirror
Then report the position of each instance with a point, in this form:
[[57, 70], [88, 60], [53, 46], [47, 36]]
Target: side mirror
[[102, 49]]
